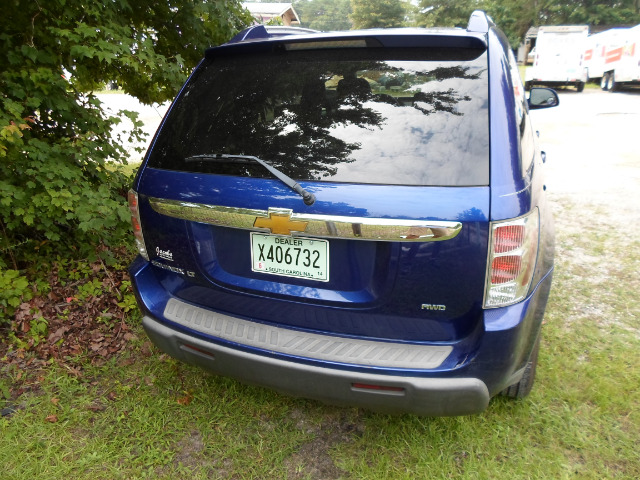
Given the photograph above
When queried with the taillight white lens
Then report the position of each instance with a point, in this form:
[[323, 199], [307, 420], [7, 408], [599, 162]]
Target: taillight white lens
[[135, 223], [513, 249]]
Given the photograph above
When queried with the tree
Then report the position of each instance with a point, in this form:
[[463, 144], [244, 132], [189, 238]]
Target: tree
[[377, 13], [590, 12], [446, 13], [59, 175], [515, 17], [324, 15]]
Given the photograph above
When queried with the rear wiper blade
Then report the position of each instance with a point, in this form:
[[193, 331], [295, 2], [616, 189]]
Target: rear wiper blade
[[308, 197]]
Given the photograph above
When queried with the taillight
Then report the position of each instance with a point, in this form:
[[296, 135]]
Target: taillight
[[135, 223], [513, 248]]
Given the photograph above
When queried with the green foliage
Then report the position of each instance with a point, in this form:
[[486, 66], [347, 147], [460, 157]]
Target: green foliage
[[324, 15], [37, 333], [60, 175], [447, 13], [92, 288], [587, 12], [13, 289], [377, 13], [515, 17], [5, 393], [128, 302]]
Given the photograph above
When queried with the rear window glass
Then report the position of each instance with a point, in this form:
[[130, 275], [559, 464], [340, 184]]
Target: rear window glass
[[381, 116]]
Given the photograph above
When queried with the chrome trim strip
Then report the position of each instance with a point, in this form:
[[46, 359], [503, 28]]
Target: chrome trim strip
[[305, 344], [318, 226]]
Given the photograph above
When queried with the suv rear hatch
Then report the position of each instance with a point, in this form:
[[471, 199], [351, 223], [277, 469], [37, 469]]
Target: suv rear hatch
[[392, 142]]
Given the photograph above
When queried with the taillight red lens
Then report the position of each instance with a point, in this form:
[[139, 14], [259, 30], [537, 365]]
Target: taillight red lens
[[505, 269], [133, 200], [508, 238], [136, 225], [513, 249]]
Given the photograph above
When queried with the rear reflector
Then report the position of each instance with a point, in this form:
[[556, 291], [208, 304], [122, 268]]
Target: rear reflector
[[378, 388], [187, 347], [513, 249], [136, 225]]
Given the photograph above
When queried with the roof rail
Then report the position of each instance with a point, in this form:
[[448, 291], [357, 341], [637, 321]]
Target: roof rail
[[256, 32], [480, 22]]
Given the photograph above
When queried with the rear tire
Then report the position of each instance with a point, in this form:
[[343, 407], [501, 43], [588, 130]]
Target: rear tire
[[604, 82], [612, 82], [580, 87], [522, 388]]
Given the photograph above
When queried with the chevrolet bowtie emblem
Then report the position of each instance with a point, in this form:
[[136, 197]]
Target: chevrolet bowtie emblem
[[279, 222]]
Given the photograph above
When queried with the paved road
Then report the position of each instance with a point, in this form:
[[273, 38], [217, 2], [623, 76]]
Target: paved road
[[592, 141], [588, 133]]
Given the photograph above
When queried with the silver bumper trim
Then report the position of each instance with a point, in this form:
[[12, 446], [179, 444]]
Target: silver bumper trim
[[303, 344], [310, 225]]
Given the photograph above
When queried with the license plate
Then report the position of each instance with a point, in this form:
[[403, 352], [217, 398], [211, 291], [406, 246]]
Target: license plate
[[290, 256]]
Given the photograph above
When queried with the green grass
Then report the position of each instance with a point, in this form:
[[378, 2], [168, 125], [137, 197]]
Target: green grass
[[131, 168], [144, 415]]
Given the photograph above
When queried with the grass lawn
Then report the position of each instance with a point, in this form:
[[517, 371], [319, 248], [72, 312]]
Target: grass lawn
[[144, 415], [141, 414]]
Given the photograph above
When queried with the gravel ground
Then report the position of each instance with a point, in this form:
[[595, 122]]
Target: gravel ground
[[592, 143]]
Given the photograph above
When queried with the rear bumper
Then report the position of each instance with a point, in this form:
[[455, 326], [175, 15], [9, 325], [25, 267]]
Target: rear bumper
[[422, 396], [431, 379]]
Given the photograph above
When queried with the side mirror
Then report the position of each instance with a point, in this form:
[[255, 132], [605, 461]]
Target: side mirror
[[543, 98]]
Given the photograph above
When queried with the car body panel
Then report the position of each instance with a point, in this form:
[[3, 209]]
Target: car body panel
[[370, 281], [397, 324]]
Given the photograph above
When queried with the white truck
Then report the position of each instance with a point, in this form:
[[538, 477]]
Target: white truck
[[622, 62], [597, 46], [558, 59]]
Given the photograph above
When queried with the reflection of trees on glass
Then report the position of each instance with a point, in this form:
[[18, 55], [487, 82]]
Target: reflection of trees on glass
[[445, 73], [438, 102], [302, 125], [309, 117], [285, 116], [292, 112], [431, 101]]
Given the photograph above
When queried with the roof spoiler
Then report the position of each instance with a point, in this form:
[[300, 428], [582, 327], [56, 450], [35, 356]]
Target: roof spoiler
[[263, 32], [480, 22]]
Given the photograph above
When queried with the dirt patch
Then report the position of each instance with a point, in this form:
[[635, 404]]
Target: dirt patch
[[313, 459], [190, 453], [189, 447]]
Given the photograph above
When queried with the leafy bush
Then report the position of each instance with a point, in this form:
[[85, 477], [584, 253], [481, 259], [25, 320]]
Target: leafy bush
[[59, 175], [13, 289]]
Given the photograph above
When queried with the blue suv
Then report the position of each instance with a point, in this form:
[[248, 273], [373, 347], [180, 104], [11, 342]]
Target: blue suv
[[356, 217]]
